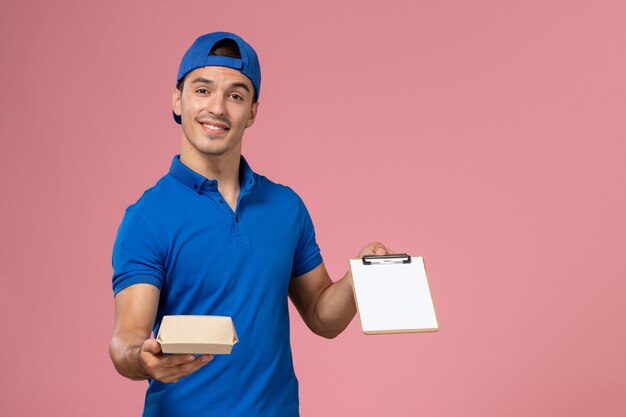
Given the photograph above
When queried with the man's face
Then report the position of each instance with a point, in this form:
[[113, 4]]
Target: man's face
[[216, 106]]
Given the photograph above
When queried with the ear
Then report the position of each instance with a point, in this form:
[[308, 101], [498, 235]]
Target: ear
[[255, 107], [176, 105]]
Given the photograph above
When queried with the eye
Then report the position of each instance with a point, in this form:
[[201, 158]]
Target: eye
[[202, 90], [236, 96]]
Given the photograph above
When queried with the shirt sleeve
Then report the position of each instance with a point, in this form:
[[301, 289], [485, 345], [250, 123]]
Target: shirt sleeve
[[137, 258], [307, 256]]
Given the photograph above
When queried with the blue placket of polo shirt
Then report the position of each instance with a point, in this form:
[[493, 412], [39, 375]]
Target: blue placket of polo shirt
[[217, 198], [240, 232]]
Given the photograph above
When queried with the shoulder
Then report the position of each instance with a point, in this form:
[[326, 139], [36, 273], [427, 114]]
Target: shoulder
[[156, 199], [280, 193], [285, 202]]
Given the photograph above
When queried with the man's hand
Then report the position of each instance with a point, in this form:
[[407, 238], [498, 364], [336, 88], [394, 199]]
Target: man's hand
[[168, 368], [136, 355], [374, 248]]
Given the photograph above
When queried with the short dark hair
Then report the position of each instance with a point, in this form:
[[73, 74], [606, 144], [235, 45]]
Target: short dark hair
[[225, 47]]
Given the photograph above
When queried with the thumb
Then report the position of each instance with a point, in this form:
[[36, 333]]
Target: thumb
[[151, 346], [380, 249]]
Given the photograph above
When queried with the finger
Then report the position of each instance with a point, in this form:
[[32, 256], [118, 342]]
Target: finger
[[172, 361], [197, 363], [379, 249], [151, 346], [184, 369], [369, 249], [149, 357]]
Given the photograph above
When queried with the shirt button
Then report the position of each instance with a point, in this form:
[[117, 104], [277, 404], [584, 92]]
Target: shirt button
[[221, 201], [236, 219], [195, 186]]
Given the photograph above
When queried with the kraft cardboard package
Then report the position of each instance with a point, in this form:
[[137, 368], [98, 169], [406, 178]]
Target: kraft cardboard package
[[197, 335]]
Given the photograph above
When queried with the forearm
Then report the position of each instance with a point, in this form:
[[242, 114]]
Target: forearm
[[335, 308], [327, 307], [124, 351]]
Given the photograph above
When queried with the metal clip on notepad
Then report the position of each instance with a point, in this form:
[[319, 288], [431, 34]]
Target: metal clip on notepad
[[396, 258]]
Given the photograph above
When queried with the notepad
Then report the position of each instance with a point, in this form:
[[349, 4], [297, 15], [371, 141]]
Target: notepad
[[392, 294]]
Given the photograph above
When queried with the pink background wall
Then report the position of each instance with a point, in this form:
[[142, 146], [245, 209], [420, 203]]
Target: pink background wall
[[488, 137]]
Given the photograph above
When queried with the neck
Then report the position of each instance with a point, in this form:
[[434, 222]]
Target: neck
[[223, 168]]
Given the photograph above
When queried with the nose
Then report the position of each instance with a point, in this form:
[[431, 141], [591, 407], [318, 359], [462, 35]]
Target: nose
[[215, 105]]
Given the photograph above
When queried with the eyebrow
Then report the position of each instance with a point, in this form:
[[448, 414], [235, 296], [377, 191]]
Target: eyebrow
[[198, 80]]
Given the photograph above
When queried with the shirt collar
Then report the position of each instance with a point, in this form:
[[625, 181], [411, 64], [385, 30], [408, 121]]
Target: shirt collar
[[200, 183]]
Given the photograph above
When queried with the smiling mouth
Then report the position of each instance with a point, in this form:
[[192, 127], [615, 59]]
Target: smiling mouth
[[214, 127]]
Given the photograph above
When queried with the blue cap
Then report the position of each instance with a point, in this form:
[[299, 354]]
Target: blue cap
[[197, 56]]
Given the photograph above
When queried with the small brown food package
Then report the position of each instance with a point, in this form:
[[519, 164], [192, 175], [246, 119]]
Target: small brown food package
[[197, 335]]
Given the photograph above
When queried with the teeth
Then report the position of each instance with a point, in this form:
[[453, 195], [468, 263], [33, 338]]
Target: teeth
[[212, 127]]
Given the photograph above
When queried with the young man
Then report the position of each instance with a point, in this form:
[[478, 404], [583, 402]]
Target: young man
[[212, 237]]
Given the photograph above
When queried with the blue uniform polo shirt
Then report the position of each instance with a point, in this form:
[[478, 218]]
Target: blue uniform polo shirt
[[182, 237]]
